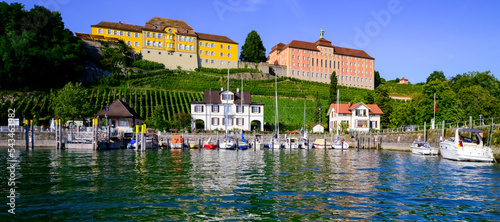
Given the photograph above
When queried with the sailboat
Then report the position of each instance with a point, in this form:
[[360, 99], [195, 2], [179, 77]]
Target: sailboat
[[243, 143], [304, 142], [227, 142], [338, 143], [275, 142]]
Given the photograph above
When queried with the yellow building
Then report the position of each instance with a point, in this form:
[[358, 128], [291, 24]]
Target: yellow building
[[216, 51], [130, 34], [173, 43]]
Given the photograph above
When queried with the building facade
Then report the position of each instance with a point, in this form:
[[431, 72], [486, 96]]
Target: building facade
[[173, 43], [357, 117], [315, 61], [241, 111]]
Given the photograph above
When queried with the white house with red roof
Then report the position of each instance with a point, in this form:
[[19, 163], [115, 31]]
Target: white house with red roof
[[358, 117]]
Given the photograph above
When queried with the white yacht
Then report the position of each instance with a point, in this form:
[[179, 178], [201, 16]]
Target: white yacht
[[291, 143], [466, 145], [339, 145]]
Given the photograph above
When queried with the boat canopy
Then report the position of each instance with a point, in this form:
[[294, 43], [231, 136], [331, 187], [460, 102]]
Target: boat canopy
[[470, 130]]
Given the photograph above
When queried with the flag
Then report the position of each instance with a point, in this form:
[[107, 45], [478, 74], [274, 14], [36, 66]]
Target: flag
[[435, 105]]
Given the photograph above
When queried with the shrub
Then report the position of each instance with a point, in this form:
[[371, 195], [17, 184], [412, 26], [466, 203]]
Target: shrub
[[147, 65]]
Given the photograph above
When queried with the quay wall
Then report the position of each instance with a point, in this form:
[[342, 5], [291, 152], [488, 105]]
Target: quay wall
[[42, 139]]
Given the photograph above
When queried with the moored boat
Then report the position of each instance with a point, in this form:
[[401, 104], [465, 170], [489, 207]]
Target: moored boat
[[321, 143], [177, 142], [466, 145], [423, 148], [340, 144]]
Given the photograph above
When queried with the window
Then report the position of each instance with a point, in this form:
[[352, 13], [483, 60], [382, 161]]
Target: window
[[228, 63], [206, 44], [206, 60], [123, 123], [136, 35], [190, 48], [303, 58], [198, 109], [221, 62], [215, 121], [136, 44], [298, 64], [201, 52], [148, 34], [129, 43], [221, 46], [362, 123], [255, 109], [115, 32], [293, 72], [99, 30], [160, 44], [229, 55], [200, 44], [212, 61], [148, 43], [129, 34], [213, 54], [228, 47], [212, 45], [293, 56], [227, 108], [215, 108], [221, 54], [109, 32], [155, 35]]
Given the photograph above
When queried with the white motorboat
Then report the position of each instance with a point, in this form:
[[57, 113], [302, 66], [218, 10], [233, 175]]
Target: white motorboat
[[423, 148], [466, 145], [227, 143], [275, 144], [291, 143], [340, 144]]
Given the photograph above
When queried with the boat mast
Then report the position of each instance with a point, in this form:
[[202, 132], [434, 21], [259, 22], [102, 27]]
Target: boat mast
[[242, 98], [276, 120], [337, 114], [227, 104]]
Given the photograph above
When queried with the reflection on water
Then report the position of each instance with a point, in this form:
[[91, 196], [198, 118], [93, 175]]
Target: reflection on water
[[250, 185]]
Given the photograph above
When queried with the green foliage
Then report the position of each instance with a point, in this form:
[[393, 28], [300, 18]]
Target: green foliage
[[436, 75], [115, 56], [71, 102], [333, 88], [382, 99], [448, 104], [253, 50], [147, 65], [378, 81], [37, 51], [484, 79], [224, 71], [472, 96]]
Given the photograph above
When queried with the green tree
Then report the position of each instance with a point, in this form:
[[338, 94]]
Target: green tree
[[71, 102], [115, 56], [333, 88], [160, 123], [253, 50], [317, 111], [182, 119], [436, 75], [448, 104], [382, 99], [478, 101], [36, 50], [378, 80]]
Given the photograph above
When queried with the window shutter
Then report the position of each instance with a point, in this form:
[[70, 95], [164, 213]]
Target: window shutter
[[224, 121], [232, 121], [201, 108], [364, 112], [242, 121], [212, 121], [242, 109], [376, 124], [232, 97], [259, 109]]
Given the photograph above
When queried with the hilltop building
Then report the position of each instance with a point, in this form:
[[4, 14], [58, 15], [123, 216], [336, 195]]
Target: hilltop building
[[171, 42], [357, 117], [403, 81], [241, 111], [315, 61]]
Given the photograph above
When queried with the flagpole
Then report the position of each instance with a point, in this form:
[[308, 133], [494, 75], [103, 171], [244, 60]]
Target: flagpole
[[434, 108]]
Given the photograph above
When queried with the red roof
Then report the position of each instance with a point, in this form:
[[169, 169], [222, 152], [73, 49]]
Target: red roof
[[216, 38], [351, 52], [346, 108], [302, 45], [161, 23], [280, 46], [324, 42], [119, 26]]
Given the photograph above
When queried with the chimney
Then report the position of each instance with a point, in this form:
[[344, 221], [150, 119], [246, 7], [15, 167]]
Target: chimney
[[237, 90], [222, 89], [349, 104], [120, 22]]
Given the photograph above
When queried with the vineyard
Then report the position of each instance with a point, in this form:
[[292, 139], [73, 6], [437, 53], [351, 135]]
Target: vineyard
[[143, 101]]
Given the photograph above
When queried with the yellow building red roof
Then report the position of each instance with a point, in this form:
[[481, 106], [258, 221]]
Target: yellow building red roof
[[119, 26], [215, 38]]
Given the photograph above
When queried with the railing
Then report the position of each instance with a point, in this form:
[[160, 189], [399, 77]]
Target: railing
[[471, 123]]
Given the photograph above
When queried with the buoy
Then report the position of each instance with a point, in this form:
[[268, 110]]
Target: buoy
[[103, 135]]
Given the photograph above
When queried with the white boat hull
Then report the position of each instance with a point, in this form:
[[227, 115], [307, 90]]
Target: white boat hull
[[338, 146], [424, 150], [227, 145], [477, 154]]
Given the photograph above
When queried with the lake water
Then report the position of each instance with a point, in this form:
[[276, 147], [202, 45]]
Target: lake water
[[199, 185]]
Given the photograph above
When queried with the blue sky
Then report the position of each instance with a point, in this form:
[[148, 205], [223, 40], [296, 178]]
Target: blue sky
[[409, 38]]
